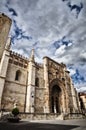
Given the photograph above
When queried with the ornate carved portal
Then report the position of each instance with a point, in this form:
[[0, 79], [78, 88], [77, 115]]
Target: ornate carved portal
[[55, 99]]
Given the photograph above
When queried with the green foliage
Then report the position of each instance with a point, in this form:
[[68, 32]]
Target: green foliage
[[15, 111]]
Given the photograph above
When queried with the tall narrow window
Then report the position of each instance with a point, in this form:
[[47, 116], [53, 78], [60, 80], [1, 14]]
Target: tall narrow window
[[37, 82], [18, 74], [52, 102]]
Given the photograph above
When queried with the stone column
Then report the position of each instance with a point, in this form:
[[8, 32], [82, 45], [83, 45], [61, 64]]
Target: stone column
[[3, 71], [31, 86], [65, 96], [78, 102], [46, 85], [63, 103], [74, 97]]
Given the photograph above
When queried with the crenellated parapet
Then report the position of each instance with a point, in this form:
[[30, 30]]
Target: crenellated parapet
[[18, 55], [18, 59]]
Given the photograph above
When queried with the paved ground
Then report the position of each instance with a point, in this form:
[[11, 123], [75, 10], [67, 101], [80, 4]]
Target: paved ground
[[45, 125], [79, 124]]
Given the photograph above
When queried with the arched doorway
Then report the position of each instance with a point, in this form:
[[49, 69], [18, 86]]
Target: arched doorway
[[55, 99]]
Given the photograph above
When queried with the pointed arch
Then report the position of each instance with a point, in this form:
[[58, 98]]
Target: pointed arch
[[56, 96]]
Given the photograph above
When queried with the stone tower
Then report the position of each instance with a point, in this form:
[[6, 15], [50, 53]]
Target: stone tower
[[5, 24]]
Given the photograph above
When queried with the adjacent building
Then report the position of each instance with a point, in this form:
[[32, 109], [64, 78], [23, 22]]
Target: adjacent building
[[82, 99]]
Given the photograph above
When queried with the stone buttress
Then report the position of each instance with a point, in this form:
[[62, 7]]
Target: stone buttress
[[31, 85]]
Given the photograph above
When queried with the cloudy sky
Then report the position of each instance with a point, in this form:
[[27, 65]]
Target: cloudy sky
[[53, 28]]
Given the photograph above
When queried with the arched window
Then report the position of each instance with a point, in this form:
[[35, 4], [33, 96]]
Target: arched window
[[18, 75], [37, 82]]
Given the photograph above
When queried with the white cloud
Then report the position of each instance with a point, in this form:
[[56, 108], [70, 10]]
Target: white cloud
[[60, 50], [83, 55], [72, 71], [81, 87]]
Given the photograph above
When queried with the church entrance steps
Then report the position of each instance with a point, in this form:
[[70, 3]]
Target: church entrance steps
[[74, 116], [60, 117], [45, 116], [40, 116], [51, 116]]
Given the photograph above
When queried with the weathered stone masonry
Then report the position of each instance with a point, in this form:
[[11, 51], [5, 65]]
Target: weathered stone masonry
[[36, 88]]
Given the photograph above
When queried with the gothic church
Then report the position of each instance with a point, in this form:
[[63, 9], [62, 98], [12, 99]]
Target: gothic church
[[36, 88]]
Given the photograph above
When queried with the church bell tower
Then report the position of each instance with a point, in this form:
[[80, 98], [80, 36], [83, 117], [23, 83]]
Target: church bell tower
[[5, 24]]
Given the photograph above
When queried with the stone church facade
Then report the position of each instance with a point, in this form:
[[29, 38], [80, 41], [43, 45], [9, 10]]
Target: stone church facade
[[36, 88]]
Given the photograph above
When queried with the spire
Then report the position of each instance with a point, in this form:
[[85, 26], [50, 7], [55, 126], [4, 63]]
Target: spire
[[32, 55]]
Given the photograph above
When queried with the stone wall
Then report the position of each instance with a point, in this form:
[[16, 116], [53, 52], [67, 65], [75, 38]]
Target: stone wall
[[55, 70], [39, 90], [39, 100], [40, 76], [14, 90]]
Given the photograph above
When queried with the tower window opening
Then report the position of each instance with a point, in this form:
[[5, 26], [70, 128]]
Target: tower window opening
[[18, 75], [37, 82]]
